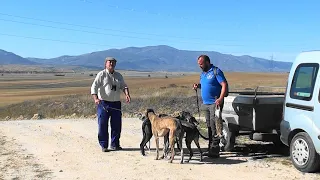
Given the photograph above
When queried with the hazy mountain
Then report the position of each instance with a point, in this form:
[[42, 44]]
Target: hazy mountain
[[162, 58], [11, 58]]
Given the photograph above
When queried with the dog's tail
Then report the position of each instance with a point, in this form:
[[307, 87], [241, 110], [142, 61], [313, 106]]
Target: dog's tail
[[205, 138]]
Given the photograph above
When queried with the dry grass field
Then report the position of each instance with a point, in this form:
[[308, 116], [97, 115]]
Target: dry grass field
[[63, 97], [26, 93]]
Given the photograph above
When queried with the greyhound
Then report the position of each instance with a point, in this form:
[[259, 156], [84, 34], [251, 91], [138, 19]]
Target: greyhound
[[189, 124], [163, 126], [147, 134]]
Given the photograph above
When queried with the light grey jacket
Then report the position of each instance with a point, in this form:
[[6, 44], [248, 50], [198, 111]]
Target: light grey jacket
[[103, 83]]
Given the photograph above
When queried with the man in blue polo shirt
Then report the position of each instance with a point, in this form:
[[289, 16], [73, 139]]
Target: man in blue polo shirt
[[213, 88]]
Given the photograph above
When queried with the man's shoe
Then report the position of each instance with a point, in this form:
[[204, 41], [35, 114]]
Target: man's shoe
[[105, 150], [116, 148], [211, 155]]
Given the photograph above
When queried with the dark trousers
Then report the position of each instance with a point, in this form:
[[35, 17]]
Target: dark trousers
[[103, 120], [209, 109]]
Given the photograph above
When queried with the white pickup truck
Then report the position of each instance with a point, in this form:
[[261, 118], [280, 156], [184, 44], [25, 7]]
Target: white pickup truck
[[291, 118]]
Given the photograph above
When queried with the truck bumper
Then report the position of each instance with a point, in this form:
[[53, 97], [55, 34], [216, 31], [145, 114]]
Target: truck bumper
[[284, 132]]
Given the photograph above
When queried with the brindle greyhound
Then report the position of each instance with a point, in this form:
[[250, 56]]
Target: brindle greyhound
[[147, 134], [163, 126], [189, 124]]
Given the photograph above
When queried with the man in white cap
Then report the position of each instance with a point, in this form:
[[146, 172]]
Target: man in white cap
[[106, 89]]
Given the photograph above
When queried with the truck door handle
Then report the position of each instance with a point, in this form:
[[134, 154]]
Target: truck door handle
[[299, 106]]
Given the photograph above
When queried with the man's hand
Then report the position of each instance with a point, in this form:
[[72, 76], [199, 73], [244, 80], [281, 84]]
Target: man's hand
[[195, 86], [128, 98], [219, 101], [97, 101]]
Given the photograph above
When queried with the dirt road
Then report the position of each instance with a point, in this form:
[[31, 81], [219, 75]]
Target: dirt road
[[68, 149]]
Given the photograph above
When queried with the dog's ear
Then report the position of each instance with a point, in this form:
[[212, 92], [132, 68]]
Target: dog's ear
[[162, 115], [184, 114], [193, 119], [176, 114], [141, 116], [148, 111]]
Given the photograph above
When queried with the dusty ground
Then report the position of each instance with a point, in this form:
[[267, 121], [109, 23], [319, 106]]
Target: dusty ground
[[68, 149]]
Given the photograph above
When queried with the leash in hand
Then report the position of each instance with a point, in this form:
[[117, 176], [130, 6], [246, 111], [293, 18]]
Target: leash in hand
[[108, 107], [198, 103]]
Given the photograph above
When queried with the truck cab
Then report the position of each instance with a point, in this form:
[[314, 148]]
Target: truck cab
[[300, 125]]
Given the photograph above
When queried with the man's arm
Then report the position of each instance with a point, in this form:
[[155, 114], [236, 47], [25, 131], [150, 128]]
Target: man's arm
[[223, 89], [126, 91], [127, 94], [223, 82], [94, 88]]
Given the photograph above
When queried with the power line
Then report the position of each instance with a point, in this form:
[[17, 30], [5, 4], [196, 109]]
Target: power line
[[105, 29], [77, 25], [55, 40], [123, 36], [146, 12]]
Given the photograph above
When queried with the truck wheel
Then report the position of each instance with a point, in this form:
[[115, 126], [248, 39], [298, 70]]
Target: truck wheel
[[303, 154], [228, 140]]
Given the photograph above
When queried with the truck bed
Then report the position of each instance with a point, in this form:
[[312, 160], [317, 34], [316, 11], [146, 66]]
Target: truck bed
[[254, 111]]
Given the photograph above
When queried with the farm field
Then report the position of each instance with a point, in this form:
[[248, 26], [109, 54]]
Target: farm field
[[16, 88]]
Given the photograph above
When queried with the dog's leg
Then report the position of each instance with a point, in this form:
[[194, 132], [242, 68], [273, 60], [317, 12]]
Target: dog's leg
[[145, 139], [166, 145], [178, 145], [196, 141], [188, 143], [148, 139], [142, 144], [172, 140], [164, 151], [181, 147], [147, 135], [157, 147]]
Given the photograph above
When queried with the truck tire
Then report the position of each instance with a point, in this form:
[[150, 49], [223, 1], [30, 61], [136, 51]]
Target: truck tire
[[229, 138], [303, 154]]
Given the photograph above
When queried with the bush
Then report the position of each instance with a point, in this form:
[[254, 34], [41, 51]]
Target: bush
[[83, 106]]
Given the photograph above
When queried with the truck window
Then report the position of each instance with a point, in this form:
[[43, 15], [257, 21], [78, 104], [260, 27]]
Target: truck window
[[303, 81]]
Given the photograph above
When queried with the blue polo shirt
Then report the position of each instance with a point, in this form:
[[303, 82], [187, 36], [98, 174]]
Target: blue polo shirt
[[210, 85]]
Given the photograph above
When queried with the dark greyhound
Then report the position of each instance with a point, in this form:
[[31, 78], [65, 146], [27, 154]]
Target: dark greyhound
[[189, 124]]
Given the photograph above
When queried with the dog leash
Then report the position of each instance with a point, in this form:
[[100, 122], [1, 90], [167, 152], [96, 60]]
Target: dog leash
[[198, 103], [108, 107]]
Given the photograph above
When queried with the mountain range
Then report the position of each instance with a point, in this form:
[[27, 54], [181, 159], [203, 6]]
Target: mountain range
[[153, 58]]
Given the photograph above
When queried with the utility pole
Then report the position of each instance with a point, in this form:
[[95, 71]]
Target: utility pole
[[271, 61]]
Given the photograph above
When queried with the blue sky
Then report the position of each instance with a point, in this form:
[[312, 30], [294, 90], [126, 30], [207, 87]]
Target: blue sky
[[261, 28]]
